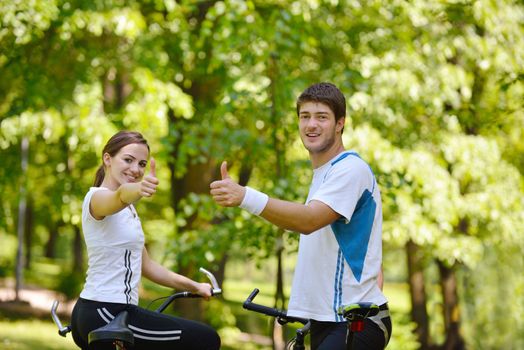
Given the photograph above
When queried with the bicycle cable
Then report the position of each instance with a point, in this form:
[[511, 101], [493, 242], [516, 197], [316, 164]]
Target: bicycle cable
[[155, 300]]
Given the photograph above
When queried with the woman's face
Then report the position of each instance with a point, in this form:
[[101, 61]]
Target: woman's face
[[128, 165]]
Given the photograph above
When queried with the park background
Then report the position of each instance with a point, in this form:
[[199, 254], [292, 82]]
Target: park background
[[435, 95]]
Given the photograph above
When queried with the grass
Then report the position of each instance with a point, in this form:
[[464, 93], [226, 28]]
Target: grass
[[32, 334]]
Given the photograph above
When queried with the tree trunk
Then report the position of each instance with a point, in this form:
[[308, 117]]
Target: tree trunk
[[448, 282], [29, 232], [22, 203], [279, 342], [419, 313], [280, 172], [78, 251], [50, 246], [195, 180]]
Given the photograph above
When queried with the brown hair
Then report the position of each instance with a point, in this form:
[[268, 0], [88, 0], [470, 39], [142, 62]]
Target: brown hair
[[326, 93], [113, 146]]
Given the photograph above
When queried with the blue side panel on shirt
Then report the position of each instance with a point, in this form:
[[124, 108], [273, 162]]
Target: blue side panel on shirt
[[353, 237]]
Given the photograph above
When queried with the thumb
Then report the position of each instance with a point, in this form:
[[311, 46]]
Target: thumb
[[152, 167], [223, 170]]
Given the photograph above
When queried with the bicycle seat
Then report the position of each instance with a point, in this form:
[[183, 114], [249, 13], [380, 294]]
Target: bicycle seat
[[116, 330], [358, 311]]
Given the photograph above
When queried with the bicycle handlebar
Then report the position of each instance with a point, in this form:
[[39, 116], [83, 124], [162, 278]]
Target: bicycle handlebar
[[61, 329], [214, 291], [281, 315]]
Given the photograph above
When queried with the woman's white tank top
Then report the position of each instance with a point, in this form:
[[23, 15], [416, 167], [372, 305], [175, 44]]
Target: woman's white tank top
[[114, 250]]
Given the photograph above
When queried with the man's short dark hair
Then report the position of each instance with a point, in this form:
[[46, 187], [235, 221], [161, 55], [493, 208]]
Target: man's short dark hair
[[326, 93]]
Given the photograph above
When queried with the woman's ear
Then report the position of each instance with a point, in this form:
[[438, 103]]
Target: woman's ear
[[107, 159]]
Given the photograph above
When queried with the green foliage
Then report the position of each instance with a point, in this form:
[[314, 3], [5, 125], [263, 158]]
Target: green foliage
[[70, 284], [492, 297], [403, 334], [7, 255], [435, 104]]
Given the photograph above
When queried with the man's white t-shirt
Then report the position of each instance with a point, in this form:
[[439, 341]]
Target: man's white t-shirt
[[339, 264], [114, 250]]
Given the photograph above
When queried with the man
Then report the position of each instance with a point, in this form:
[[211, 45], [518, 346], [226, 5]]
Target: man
[[340, 251]]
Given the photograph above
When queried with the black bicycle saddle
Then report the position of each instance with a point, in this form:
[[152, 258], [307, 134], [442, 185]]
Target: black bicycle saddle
[[358, 311], [116, 330]]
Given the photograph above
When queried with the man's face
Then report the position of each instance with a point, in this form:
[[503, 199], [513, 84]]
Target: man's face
[[128, 165], [318, 128]]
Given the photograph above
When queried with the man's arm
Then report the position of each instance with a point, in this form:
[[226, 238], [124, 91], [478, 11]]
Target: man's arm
[[299, 217], [287, 215]]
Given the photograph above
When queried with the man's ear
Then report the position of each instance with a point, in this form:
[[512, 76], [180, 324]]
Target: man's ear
[[107, 159], [340, 124]]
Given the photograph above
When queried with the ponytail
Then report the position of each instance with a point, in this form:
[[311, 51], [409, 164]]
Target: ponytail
[[99, 177]]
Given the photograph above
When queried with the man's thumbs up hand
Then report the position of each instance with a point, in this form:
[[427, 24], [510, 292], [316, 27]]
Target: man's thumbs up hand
[[223, 170], [226, 192]]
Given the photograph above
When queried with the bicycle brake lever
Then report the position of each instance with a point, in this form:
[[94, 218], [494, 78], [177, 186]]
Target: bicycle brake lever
[[216, 288]]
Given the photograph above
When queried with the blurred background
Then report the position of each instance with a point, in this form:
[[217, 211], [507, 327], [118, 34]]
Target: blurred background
[[435, 93]]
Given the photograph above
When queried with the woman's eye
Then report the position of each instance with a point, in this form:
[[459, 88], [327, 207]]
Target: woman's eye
[[143, 165], [128, 160]]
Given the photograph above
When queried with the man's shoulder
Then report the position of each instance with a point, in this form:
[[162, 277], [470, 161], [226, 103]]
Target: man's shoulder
[[349, 161]]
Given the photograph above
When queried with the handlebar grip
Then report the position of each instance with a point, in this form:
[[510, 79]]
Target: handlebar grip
[[249, 305], [281, 315], [252, 295], [263, 309]]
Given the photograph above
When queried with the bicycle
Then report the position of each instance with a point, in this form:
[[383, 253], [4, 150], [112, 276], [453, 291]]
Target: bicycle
[[355, 315], [117, 330], [282, 318]]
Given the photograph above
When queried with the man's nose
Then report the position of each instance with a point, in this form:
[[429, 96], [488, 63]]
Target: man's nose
[[311, 123]]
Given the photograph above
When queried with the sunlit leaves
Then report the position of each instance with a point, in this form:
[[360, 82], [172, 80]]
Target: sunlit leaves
[[435, 105], [149, 105], [26, 20], [125, 22]]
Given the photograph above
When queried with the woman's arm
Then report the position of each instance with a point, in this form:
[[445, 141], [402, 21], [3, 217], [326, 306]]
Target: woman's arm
[[159, 274], [107, 202], [104, 203]]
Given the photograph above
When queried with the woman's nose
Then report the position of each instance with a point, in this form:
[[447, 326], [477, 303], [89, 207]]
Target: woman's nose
[[135, 168]]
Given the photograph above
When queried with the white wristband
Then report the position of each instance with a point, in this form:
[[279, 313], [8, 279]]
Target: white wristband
[[254, 201]]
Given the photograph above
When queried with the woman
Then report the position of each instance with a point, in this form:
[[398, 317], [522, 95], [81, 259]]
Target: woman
[[117, 255]]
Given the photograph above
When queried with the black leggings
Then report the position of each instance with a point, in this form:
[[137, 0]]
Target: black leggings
[[152, 330], [332, 335]]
